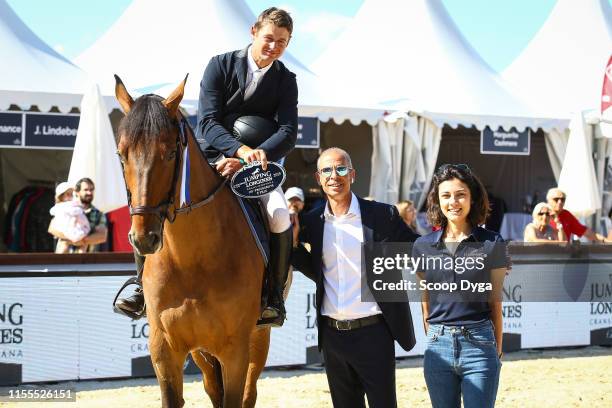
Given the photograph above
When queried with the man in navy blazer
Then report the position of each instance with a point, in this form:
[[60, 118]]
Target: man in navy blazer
[[357, 337]]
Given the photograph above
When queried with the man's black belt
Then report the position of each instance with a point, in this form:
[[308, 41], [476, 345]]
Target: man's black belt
[[353, 324]]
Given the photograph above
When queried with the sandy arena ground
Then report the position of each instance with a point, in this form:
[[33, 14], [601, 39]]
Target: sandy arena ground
[[579, 377]]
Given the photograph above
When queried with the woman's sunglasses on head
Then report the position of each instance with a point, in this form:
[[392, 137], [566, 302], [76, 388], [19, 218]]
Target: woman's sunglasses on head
[[460, 166]]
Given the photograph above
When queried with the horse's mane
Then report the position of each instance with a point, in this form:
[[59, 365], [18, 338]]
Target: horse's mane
[[149, 118]]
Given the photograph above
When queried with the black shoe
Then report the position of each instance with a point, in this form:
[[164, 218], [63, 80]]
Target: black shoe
[[280, 253], [134, 303], [133, 306]]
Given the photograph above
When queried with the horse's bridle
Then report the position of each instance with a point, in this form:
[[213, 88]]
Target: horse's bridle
[[162, 209]]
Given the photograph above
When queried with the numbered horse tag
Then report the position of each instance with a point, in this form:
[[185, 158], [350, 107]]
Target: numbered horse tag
[[252, 181]]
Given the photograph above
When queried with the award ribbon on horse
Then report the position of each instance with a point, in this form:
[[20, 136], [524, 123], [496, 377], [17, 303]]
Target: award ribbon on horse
[[252, 181]]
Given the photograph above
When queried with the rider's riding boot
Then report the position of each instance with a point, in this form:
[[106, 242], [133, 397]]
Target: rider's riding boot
[[134, 303], [280, 254]]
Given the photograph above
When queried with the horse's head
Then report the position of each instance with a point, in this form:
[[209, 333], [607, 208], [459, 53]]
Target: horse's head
[[149, 146]]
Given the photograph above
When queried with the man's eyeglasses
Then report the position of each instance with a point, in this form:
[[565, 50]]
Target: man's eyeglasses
[[559, 199], [340, 170]]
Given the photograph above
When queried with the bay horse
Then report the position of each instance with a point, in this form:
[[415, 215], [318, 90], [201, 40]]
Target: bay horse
[[203, 273]]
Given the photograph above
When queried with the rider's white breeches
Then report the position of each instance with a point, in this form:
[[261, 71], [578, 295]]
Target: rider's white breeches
[[278, 213]]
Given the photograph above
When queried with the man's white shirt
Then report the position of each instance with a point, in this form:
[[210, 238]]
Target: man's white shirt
[[342, 239], [254, 74]]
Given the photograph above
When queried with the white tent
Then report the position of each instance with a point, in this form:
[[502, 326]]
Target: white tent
[[151, 46], [31, 72], [94, 154], [561, 69], [561, 73], [410, 56]]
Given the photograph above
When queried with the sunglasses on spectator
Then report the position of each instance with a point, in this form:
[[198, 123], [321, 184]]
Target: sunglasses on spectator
[[544, 213], [340, 170], [559, 199]]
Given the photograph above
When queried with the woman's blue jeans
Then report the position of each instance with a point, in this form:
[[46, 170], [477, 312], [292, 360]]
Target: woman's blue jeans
[[462, 360]]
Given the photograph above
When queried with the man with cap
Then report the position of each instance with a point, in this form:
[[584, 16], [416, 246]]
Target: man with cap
[[295, 203]]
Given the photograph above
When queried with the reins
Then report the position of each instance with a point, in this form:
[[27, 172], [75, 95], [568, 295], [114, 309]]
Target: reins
[[162, 210]]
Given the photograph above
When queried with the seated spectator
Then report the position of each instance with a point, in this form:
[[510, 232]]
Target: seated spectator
[[540, 229], [563, 219]]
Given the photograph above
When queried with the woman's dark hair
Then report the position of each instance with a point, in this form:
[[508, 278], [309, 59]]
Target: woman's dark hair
[[479, 208]]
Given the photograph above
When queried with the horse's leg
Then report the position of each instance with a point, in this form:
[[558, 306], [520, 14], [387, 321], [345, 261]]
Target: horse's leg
[[234, 364], [211, 370], [168, 365], [258, 354]]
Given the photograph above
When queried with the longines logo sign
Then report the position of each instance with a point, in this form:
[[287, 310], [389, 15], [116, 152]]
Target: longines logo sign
[[11, 330], [512, 312], [140, 337], [311, 318], [601, 302]]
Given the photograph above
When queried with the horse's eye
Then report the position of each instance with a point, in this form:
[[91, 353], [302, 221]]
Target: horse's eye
[[121, 159], [172, 155]]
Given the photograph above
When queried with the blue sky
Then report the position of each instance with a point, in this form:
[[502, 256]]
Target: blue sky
[[497, 29]]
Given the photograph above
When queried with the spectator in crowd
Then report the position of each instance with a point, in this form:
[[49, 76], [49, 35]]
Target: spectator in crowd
[[540, 230], [68, 218], [563, 219], [408, 213], [295, 204], [608, 223], [84, 189], [295, 199]]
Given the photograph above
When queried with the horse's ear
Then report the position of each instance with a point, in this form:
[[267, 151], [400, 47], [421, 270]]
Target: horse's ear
[[122, 95], [173, 100]]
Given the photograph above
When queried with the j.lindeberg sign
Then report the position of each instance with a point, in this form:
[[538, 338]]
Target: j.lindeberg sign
[[38, 130]]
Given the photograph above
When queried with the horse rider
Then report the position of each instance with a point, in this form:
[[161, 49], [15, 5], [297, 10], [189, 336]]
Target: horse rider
[[250, 82]]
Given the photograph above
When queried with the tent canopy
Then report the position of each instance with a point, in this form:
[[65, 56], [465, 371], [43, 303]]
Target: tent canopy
[[152, 46], [32, 73], [410, 55], [561, 69]]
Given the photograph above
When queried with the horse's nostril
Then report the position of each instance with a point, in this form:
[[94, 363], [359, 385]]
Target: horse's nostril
[[153, 239]]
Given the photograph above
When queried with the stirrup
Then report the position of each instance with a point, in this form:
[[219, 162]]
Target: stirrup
[[133, 315], [272, 321]]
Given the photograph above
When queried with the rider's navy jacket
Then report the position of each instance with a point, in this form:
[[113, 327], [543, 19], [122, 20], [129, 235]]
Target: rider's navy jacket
[[221, 96]]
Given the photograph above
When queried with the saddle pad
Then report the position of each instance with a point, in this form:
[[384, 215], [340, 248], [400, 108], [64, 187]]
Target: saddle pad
[[257, 224]]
